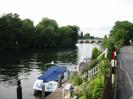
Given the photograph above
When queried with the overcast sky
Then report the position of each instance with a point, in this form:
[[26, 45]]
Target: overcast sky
[[96, 17]]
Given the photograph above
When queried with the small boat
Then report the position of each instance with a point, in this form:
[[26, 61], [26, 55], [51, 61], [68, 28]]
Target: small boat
[[50, 78]]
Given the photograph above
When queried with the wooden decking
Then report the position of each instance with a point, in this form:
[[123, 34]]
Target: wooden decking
[[56, 95]]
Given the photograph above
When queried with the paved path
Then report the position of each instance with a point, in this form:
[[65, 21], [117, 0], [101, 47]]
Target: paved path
[[55, 95], [58, 94], [125, 73]]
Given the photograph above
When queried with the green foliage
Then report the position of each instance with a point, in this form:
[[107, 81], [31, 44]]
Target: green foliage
[[17, 33], [46, 32], [94, 88], [75, 79], [68, 35], [10, 25], [120, 35], [92, 37], [98, 87], [109, 43], [87, 36], [122, 30], [83, 97], [95, 53], [91, 90], [27, 35], [83, 91], [81, 36], [105, 67]]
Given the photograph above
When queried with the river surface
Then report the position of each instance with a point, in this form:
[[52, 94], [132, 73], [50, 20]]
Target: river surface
[[30, 64]]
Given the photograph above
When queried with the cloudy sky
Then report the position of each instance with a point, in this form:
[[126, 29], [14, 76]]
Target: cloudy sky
[[96, 17]]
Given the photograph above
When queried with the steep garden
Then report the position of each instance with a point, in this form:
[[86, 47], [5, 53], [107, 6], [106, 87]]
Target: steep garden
[[91, 87]]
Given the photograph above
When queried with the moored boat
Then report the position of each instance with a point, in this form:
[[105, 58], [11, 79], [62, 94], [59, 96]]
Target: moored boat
[[50, 78]]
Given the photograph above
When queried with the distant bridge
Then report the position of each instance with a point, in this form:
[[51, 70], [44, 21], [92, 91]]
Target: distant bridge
[[97, 40]]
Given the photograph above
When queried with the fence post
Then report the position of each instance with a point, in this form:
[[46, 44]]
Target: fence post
[[19, 90], [43, 91]]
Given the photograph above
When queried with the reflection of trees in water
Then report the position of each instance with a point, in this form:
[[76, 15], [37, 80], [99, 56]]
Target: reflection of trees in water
[[69, 56], [13, 64]]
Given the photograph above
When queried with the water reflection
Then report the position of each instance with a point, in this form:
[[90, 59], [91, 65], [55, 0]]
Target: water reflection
[[30, 63], [14, 63]]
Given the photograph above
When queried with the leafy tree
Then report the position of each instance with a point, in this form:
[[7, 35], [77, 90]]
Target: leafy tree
[[17, 33], [95, 53], [68, 35], [120, 35], [28, 31], [65, 32], [92, 37], [10, 27], [46, 32], [87, 36], [81, 35], [74, 34], [122, 31], [109, 43]]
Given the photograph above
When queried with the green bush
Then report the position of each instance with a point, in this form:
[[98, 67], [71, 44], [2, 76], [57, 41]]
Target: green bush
[[105, 67], [98, 87], [91, 90], [109, 43], [75, 79], [83, 91], [95, 53]]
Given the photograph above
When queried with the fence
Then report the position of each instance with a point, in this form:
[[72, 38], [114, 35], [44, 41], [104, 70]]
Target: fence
[[91, 72]]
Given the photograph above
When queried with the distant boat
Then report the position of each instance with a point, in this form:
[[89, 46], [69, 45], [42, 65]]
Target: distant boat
[[50, 78]]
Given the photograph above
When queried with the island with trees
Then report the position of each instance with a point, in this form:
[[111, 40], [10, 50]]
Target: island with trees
[[18, 33]]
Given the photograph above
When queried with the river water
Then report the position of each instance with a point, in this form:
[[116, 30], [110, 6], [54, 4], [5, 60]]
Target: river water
[[29, 64]]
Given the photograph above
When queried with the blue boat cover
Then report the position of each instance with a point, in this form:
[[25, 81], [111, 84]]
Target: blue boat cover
[[52, 73]]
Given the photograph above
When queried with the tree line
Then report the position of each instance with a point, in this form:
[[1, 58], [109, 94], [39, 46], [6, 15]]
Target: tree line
[[18, 33], [86, 36], [120, 35]]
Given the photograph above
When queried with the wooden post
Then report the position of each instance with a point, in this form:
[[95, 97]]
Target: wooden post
[[43, 91], [59, 81], [19, 90]]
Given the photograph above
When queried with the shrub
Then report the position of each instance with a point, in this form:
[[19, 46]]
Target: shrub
[[105, 67], [95, 53], [83, 91], [98, 87], [75, 79]]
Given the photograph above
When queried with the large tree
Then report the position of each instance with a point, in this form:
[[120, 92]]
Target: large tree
[[10, 27], [17, 33], [123, 30], [46, 32], [68, 35], [87, 36], [28, 32]]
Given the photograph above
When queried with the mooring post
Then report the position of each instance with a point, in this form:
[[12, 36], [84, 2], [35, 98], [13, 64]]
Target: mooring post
[[59, 81], [43, 91], [19, 90]]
